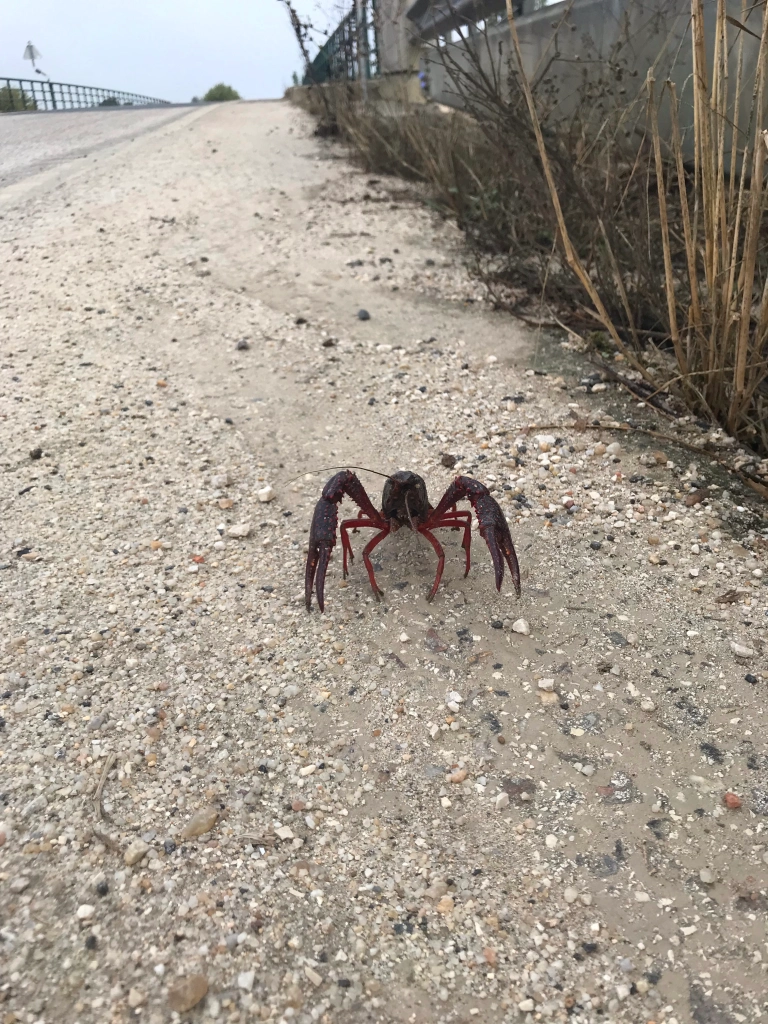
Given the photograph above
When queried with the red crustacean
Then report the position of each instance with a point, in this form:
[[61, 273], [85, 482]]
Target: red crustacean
[[405, 503]]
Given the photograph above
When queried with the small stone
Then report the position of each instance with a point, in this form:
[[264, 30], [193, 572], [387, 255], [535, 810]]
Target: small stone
[[526, 1006], [18, 884], [243, 345], [245, 980], [550, 842], [313, 976], [521, 626], [136, 998], [732, 802], [265, 494], [646, 704], [240, 530], [437, 890], [502, 801], [449, 461], [135, 852], [706, 877], [202, 821], [187, 992], [404, 638], [622, 992], [570, 895], [642, 897], [741, 651], [458, 776], [547, 684], [445, 906], [85, 912], [284, 832], [363, 314]]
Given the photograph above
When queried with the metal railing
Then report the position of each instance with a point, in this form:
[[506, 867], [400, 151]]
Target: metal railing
[[350, 52], [28, 94]]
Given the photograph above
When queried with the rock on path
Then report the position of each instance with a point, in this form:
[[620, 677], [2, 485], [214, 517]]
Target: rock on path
[[394, 812]]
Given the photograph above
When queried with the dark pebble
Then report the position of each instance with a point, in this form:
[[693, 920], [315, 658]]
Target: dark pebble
[[449, 461], [330, 342], [497, 624], [90, 942], [363, 314], [344, 983], [102, 889], [750, 678], [169, 846], [36, 453], [243, 345], [595, 545]]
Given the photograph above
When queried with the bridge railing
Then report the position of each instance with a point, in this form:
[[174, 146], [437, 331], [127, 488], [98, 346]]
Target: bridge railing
[[30, 94]]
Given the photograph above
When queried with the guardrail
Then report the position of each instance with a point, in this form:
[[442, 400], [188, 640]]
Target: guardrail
[[28, 94]]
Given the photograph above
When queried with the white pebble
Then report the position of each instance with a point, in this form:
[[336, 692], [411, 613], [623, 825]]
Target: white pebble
[[239, 530], [521, 626], [741, 651], [266, 494], [245, 980], [550, 842], [642, 897], [85, 911], [547, 684], [404, 638], [570, 895]]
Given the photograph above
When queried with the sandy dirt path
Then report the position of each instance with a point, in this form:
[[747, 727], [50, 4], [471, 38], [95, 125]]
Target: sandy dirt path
[[218, 807]]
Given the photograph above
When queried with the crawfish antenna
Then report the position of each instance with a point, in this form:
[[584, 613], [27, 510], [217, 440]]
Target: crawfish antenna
[[329, 469]]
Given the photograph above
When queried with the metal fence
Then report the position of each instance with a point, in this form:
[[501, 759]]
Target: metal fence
[[28, 94], [351, 51]]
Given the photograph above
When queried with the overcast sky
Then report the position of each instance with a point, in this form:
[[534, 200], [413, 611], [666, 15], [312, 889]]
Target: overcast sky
[[168, 49]]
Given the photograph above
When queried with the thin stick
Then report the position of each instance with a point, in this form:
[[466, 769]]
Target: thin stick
[[98, 809]]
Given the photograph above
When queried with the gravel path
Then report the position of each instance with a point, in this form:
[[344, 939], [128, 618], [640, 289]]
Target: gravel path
[[218, 807]]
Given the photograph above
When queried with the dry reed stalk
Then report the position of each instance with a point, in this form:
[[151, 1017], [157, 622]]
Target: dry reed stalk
[[570, 253], [682, 362]]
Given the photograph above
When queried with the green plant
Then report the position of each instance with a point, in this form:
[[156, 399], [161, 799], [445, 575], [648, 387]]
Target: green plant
[[110, 101], [221, 93], [15, 99]]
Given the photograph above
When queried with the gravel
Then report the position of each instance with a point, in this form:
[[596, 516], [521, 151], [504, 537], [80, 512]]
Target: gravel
[[216, 803]]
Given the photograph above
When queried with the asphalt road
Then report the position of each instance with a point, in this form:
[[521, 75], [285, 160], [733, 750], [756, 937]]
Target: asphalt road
[[38, 141]]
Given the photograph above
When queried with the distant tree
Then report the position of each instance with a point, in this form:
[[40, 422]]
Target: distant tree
[[295, 78], [15, 99], [195, 99], [110, 101], [220, 93]]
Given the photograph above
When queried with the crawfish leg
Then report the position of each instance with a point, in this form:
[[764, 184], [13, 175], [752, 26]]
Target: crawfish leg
[[456, 521], [346, 544], [440, 560], [369, 565]]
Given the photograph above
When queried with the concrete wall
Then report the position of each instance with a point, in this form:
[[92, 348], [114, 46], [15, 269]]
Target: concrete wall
[[633, 34]]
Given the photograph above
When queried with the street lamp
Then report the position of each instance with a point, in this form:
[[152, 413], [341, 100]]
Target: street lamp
[[32, 53]]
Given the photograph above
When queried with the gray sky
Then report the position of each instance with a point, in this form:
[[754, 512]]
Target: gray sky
[[169, 49]]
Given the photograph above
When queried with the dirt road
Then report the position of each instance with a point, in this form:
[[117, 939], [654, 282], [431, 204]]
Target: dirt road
[[219, 807]]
